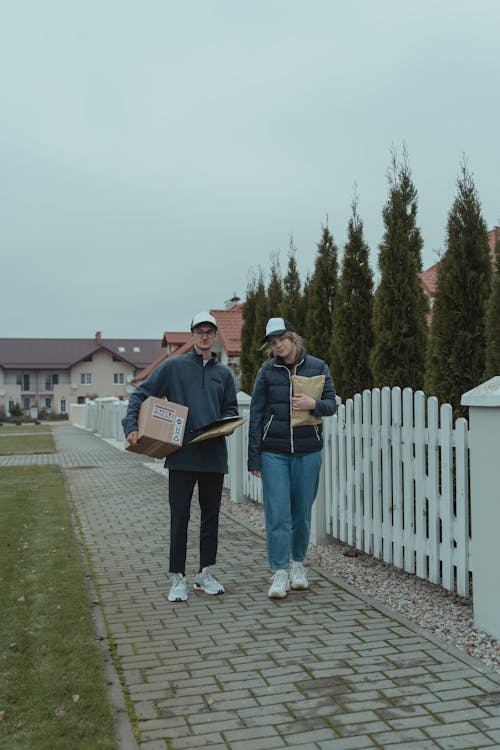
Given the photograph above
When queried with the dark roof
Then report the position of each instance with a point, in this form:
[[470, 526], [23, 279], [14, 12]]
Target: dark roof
[[60, 354]]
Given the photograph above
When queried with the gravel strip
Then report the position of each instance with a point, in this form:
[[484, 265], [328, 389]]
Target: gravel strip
[[443, 613]]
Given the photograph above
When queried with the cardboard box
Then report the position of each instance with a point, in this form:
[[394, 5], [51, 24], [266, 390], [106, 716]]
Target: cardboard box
[[161, 427]]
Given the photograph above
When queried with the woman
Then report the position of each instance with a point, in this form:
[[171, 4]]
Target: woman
[[287, 457]]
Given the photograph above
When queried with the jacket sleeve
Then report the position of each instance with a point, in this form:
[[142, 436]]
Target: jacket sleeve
[[229, 406], [327, 404], [257, 409], [154, 385]]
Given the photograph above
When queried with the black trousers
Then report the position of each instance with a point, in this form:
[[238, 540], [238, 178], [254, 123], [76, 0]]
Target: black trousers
[[181, 485]]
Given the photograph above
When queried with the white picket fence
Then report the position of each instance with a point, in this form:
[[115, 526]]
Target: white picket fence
[[394, 481], [396, 470]]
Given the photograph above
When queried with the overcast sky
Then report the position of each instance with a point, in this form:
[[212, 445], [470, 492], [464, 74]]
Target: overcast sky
[[153, 153]]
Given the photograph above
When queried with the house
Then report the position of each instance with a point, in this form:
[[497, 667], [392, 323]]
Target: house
[[429, 278], [47, 375], [226, 347]]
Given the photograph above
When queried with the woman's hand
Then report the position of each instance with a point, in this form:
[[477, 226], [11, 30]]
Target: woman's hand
[[301, 402]]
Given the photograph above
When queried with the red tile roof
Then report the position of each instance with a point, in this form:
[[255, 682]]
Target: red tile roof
[[229, 323]]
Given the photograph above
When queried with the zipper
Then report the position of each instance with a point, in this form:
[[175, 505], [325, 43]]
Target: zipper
[[316, 431], [267, 426]]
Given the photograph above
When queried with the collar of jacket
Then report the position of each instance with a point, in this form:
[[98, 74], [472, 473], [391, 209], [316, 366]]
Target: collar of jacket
[[199, 357], [279, 361]]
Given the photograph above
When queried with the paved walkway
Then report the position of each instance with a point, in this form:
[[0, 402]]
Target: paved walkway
[[326, 669]]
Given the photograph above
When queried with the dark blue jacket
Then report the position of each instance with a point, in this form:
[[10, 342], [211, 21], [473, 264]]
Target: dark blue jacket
[[209, 393], [270, 410]]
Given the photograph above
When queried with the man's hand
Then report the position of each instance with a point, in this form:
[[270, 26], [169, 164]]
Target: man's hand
[[301, 402], [255, 473], [132, 438]]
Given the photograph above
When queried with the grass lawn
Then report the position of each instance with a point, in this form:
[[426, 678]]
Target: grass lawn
[[53, 693], [25, 438]]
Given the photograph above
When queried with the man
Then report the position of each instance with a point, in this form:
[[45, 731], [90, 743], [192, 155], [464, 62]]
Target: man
[[200, 382]]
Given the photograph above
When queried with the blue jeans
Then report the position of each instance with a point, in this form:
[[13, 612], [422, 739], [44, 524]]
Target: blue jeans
[[289, 484]]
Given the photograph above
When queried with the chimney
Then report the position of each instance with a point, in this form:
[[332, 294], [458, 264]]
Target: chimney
[[230, 303], [98, 338]]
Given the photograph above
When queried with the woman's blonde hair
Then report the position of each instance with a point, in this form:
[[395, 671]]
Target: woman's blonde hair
[[293, 335]]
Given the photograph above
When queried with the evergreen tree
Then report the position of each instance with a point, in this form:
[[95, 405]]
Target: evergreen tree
[[457, 351], [493, 322], [292, 307], [261, 318], [321, 297], [247, 337], [275, 288], [400, 306], [352, 338]]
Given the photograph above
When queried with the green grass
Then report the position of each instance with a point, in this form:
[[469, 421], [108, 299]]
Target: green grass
[[53, 693], [26, 438]]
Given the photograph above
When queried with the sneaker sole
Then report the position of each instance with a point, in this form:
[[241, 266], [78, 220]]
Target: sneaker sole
[[177, 600], [201, 590], [300, 587]]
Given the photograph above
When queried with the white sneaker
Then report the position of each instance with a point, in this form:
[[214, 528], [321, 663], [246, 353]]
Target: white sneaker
[[205, 581], [298, 577], [280, 585], [178, 590]]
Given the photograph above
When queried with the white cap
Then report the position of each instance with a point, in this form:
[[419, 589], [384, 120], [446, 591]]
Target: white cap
[[203, 317], [277, 326]]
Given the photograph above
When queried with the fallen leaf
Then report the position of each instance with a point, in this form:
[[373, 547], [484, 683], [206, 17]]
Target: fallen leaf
[[351, 553], [76, 698], [2, 714], [60, 710], [21, 599]]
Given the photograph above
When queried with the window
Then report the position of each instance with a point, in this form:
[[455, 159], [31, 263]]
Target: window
[[85, 378], [48, 404], [62, 406], [23, 381], [55, 378], [121, 349], [118, 378], [136, 348]]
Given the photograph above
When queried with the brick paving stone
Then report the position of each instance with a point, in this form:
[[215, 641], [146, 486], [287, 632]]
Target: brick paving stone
[[327, 669]]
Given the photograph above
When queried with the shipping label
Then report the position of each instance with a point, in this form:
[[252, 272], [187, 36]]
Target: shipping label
[[163, 413]]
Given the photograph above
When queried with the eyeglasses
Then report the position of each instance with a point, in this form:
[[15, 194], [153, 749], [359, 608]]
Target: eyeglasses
[[205, 332]]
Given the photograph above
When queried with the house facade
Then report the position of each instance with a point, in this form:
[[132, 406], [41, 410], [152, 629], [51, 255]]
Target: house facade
[[47, 375]]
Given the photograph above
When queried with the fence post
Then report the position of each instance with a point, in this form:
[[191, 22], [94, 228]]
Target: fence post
[[318, 516], [237, 461], [484, 441]]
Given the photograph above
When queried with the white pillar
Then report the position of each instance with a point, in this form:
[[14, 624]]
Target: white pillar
[[484, 441], [237, 461]]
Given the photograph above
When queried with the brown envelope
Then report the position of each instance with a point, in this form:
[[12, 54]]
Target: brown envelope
[[310, 387]]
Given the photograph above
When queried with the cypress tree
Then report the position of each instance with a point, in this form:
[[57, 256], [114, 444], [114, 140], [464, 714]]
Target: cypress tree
[[261, 318], [321, 297], [400, 306], [275, 288], [247, 337], [292, 307], [352, 338], [457, 351], [493, 321]]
